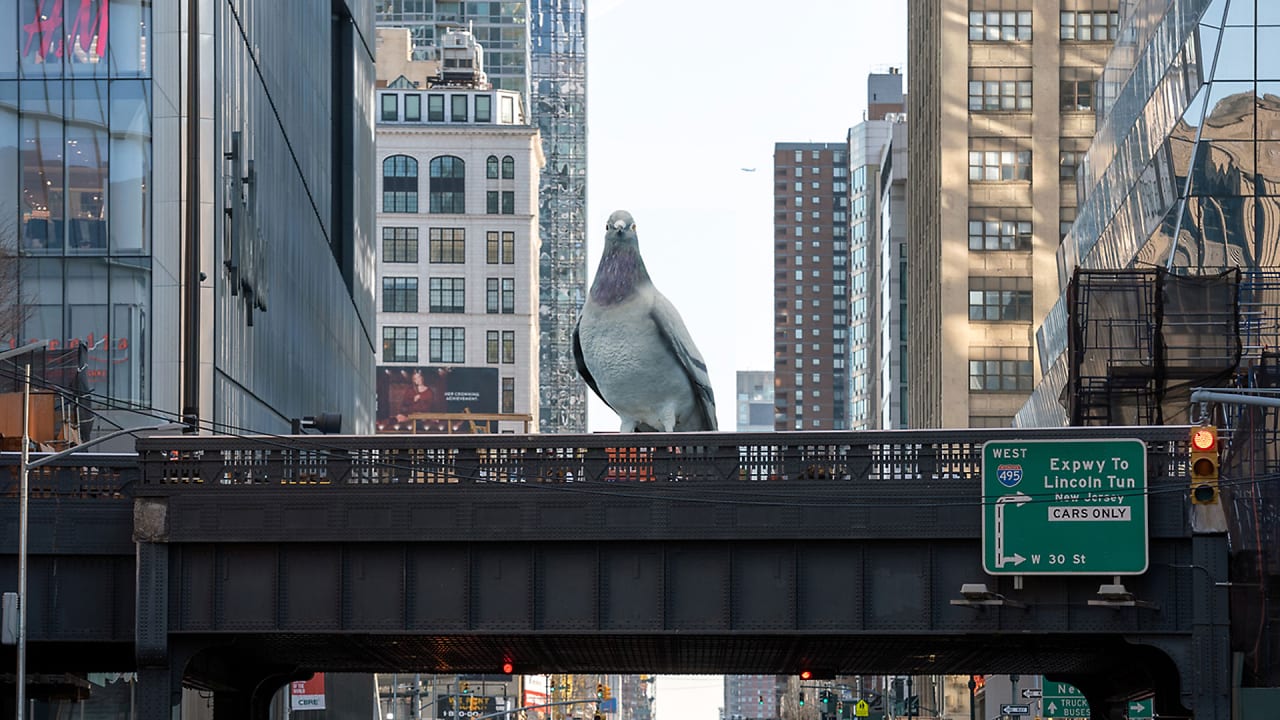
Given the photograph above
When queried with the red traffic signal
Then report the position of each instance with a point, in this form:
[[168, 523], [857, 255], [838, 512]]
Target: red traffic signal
[[1204, 465], [806, 675], [507, 667]]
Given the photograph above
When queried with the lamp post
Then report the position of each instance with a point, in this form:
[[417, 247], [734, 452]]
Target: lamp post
[[25, 464], [21, 690]]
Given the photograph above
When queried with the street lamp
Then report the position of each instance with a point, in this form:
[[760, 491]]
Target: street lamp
[[24, 467]]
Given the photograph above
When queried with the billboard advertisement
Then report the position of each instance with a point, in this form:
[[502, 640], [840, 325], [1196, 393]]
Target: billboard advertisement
[[307, 694], [417, 398]]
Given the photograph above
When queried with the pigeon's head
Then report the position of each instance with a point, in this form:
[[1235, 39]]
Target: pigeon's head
[[620, 226]]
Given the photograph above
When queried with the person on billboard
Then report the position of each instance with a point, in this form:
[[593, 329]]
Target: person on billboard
[[422, 398]]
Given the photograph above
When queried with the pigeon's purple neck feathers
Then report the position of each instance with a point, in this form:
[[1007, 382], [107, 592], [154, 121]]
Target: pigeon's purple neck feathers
[[621, 270]]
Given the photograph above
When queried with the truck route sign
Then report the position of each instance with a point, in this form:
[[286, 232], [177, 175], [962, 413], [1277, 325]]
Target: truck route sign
[[1064, 507]]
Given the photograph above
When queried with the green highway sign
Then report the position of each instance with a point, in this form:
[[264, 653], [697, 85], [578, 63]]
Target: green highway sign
[[1062, 701], [1139, 709], [1064, 507]]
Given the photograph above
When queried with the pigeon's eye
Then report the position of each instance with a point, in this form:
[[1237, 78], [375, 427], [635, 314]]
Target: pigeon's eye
[[632, 226]]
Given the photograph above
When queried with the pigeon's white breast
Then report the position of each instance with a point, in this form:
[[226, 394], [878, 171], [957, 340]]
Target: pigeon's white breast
[[631, 363]]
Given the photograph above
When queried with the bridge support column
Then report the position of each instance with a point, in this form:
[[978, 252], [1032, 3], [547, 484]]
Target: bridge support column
[[1208, 693], [159, 682]]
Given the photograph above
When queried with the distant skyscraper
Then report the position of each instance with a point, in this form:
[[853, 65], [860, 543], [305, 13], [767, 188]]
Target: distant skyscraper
[[867, 141], [826, 198], [1000, 160], [755, 401], [752, 697], [538, 48], [892, 265], [811, 285]]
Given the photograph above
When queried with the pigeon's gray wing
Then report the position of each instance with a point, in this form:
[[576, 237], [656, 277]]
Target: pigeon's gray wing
[[672, 330], [582, 365]]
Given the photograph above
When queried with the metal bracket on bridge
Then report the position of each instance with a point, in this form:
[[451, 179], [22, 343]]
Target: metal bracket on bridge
[[1115, 595], [977, 596]]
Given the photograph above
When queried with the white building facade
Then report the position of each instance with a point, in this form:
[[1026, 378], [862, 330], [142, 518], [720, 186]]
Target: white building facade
[[457, 262]]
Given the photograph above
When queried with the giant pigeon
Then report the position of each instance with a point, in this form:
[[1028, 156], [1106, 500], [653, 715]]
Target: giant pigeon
[[633, 349]]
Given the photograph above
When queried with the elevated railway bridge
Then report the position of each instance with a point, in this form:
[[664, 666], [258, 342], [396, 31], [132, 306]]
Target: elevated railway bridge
[[235, 564]]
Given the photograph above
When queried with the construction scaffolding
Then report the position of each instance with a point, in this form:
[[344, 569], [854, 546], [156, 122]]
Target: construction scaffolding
[[1140, 341]]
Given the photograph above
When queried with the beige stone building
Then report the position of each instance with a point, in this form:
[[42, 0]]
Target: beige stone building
[[1001, 100]]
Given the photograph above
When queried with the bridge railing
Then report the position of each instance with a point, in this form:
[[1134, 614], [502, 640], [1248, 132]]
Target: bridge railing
[[108, 476], [176, 462]]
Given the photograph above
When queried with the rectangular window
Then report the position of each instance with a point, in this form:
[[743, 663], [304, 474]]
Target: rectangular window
[[390, 107], [447, 245], [1004, 89], [1000, 299], [447, 345], [413, 107], [1066, 218], [508, 296], [1000, 369], [435, 108], [491, 202], [1077, 88], [492, 295], [399, 294], [508, 395], [1071, 152], [1003, 228], [457, 108], [491, 347], [1095, 26], [508, 202], [1000, 25], [999, 160], [484, 108], [400, 244], [400, 344], [508, 109], [508, 346], [500, 248], [446, 295]]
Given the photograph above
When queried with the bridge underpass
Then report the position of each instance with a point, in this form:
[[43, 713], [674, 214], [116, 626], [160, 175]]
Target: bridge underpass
[[261, 560]]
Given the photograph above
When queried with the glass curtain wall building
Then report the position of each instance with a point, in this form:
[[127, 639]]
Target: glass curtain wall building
[[538, 48], [1184, 171], [196, 222]]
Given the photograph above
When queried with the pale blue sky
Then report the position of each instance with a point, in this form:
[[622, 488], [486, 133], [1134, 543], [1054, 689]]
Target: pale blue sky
[[688, 697], [683, 96]]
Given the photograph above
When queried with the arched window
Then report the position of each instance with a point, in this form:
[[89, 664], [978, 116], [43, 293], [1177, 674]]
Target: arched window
[[491, 167], [448, 184], [400, 184], [508, 167]]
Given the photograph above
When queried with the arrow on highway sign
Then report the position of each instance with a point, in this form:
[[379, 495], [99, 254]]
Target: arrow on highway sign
[[1029, 693], [1015, 709], [1140, 709]]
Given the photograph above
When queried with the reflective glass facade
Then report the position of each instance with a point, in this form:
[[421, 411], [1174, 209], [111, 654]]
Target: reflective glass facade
[[1188, 147], [104, 191], [75, 204], [558, 98], [538, 48]]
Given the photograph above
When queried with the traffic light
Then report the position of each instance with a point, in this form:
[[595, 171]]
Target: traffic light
[[599, 691], [507, 667], [1204, 465], [466, 688], [825, 697], [806, 674], [608, 692], [801, 699]]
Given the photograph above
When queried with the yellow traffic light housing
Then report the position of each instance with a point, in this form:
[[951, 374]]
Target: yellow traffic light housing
[[599, 691], [1204, 465]]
